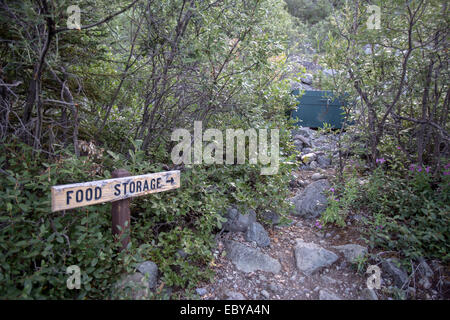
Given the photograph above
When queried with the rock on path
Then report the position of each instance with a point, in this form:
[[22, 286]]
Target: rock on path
[[248, 259], [311, 257], [238, 222], [311, 202], [258, 234]]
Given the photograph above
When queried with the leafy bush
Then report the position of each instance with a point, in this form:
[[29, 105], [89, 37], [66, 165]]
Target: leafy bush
[[410, 213], [341, 199], [174, 229], [406, 211], [37, 246], [221, 63]]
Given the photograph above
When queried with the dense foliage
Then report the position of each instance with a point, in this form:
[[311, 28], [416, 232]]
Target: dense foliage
[[397, 77], [77, 104]]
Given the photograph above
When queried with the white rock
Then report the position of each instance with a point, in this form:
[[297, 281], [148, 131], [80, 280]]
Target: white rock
[[307, 158]]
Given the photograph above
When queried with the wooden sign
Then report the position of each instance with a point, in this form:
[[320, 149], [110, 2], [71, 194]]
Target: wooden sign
[[84, 194]]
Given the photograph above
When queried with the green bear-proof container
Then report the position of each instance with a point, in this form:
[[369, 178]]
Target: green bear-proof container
[[315, 108]]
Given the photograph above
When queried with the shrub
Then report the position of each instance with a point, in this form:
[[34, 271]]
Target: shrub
[[409, 213], [37, 245]]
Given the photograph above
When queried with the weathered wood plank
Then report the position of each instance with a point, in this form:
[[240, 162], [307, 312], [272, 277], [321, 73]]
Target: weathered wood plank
[[88, 193]]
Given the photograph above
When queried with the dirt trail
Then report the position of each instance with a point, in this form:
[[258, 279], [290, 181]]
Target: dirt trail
[[290, 284]]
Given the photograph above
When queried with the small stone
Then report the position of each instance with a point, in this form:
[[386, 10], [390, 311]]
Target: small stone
[[425, 283], [166, 292], [307, 78], [411, 292], [234, 295], [201, 291], [330, 281], [317, 176], [271, 216], [182, 253], [362, 182], [326, 295], [273, 287], [302, 183], [323, 161], [368, 294], [257, 233], [265, 294], [425, 270], [302, 140], [309, 157]]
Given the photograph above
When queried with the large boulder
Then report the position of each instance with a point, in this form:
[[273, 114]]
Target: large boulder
[[390, 266], [311, 202], [248, 259], [256, 232], [237, 222], [311, 257]]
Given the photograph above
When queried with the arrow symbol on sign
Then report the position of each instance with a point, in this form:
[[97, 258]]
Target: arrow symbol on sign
[[171, 180]]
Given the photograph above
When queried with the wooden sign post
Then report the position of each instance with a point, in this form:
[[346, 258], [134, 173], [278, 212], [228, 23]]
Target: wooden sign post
[[118, 189], [120, 213]]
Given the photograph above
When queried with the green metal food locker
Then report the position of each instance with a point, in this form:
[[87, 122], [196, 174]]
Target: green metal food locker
[[315, 108]]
